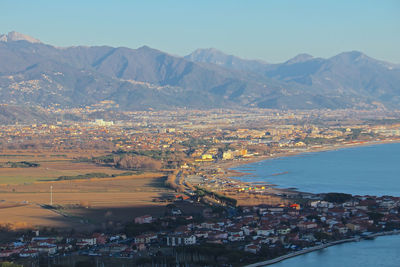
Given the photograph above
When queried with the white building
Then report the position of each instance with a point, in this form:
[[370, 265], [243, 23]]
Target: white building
[[181, 240], [265, 231]]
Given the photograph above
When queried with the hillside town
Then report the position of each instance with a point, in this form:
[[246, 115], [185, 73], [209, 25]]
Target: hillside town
[[258, 232]]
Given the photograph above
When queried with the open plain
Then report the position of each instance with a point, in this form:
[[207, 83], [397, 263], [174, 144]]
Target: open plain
[[82, 204]]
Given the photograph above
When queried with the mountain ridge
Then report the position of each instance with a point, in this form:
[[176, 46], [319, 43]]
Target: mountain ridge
[[142, 78]]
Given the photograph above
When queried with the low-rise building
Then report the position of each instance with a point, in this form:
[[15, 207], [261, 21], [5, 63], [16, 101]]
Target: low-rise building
[[181, 240]]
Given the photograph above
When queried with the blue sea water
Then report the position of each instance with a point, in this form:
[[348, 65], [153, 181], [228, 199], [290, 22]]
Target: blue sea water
[[382, 251], [365, 170]]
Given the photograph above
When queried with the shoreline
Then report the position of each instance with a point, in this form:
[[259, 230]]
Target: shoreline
[[226, 166], [228, 172], [320, 247], [232, 175]]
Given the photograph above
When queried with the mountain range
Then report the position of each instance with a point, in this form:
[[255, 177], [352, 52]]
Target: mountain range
[[36, 74]]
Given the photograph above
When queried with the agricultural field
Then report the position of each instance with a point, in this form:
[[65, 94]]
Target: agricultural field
[[84, 204], [51, 166]]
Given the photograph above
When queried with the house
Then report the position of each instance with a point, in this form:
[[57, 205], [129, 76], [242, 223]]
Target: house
[[308, 237], [321, 204], [265, 231], [201, 234], [28, 253], [218, 235], [127, 253], [144, 219], [252, 248], [236, 237], [64, 247], [283, 230], [235, 231], [353, 227], [271, 239], [341, 228], [49, 249], [101, 239], [246, 230], [114, 248], [8, 253], [181, 240], [86, 241], [145, 238], [307, 225], [140, 247], [177, 211], [207, 225]]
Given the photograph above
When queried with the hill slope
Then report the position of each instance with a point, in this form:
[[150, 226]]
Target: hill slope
[[33, 73]]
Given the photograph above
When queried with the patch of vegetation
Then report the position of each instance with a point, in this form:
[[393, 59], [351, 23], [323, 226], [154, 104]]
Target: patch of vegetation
[[337, 197], [12, 155], [9, 264], [134, 229], [355, 133], [375, 216], [320, 236], [154, 154], [316, 141], [84, 176], [202, 192], [82, 159], [126, 173], [20, 164], [57, 155], [131, 161], [95, 175], [196, 142]]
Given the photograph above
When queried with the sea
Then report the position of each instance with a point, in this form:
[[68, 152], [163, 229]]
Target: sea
[[363, 170], [382, 251]]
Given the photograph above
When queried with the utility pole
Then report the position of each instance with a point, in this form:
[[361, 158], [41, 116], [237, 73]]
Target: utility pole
[[51, 195]]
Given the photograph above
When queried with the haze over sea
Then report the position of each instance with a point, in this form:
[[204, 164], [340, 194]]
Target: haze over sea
[[364, 170]]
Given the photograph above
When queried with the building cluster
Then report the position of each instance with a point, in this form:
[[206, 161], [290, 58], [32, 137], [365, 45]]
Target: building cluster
[[293, 227], [203, 135]]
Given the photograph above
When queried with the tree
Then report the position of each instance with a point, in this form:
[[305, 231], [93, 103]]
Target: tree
[[337, 197], [137, 162]]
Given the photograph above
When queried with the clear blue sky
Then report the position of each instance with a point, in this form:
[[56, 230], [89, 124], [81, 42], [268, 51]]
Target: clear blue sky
[[272, 30]]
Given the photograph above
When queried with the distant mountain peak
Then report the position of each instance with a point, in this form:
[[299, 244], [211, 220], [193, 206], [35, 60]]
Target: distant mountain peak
[[300, 58], [208, 53], [148, 49], [208, 50], [145, 47], [145, 77], [215, 56], [351, 55], [16, 36]]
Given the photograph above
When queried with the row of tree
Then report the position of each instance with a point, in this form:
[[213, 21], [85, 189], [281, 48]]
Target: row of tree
[[171, 182]]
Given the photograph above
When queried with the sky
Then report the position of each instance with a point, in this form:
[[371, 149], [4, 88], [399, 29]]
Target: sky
[[270, 30]]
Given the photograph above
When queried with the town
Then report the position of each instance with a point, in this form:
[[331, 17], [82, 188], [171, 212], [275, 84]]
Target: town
[[196, 209], [248, 234]]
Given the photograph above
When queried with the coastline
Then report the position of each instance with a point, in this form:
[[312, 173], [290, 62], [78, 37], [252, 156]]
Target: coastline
[[229, 175], [234, 173], [320, 247], [228, 165]]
